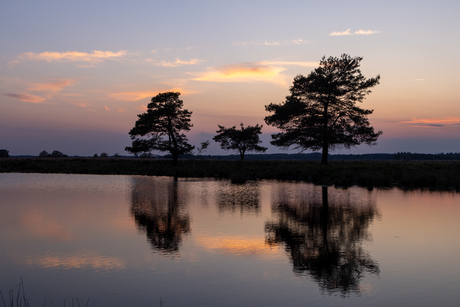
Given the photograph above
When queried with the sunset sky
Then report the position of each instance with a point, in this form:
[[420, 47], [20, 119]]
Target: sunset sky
[[74, 74]]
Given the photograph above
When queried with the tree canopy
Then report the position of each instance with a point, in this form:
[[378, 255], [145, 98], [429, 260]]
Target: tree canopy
[[161, 127], [241, 140], [321, 111]]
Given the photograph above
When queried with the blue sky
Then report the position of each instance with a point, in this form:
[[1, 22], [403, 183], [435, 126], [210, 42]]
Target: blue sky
[[74, 75]]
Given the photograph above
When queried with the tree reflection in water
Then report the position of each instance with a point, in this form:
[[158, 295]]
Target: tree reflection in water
[[159, 211], [239, 197], [324, 238]]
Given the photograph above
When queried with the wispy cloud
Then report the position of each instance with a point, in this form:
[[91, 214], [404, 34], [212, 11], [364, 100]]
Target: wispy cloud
[[133, 95], [47, 90], [294, 63], [26, 98], [300, 41], [271, 43], [54, 86], [433, 122], [358, 32], [178, 62], [294, 41], [70, 56], [80, 104], [346, 32], [119, 110], [142, 108], [138, 95], [263, 71], [244, 72], [366, 32]]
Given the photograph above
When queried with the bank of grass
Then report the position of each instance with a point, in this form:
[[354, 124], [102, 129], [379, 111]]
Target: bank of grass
[[435, 175]]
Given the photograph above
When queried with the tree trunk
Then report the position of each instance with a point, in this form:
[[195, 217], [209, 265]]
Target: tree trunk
[[175, 159], [325, 154]]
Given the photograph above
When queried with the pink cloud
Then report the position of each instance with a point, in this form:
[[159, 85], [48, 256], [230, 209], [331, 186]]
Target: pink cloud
[[26, 98], [433, 122], [55, 86]]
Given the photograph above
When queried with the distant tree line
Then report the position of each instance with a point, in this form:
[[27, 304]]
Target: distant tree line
[[338, 157], [54, 154], [421, 156], [102, 155]]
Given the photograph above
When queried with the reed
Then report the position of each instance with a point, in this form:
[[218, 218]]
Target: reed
[[17, 298]]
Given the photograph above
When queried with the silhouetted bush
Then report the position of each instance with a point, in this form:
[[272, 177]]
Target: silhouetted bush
[[54, 154], [4, 153], [57, 154], [43, 154]]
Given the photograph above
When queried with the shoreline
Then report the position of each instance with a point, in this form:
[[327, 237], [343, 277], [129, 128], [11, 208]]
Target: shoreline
[[432, 175]]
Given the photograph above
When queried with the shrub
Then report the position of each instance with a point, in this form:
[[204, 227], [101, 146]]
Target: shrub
[[4, 153], [58, 154], [43, 154]]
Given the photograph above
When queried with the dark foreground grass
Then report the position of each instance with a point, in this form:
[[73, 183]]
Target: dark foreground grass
[[16, 297], [434, 175]]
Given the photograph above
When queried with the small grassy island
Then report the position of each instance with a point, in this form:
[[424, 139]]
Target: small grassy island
[[433, 175]]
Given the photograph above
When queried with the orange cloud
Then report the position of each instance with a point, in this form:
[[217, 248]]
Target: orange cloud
[[142, 108], [72, 56], [244, 72], [80, 104], [138, 95], [178, 62], [236, 245], [53, 86], [133, 96], [26, 98], [433, 122], [73, 95]]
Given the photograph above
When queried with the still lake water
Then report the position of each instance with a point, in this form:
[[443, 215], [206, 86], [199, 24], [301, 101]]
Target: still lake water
[[129, 240]]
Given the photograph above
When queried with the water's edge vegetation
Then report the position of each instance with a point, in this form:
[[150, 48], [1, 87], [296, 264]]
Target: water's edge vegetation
[[434, 175]]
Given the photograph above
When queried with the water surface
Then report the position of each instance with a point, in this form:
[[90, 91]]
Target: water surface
[[129, 240]]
